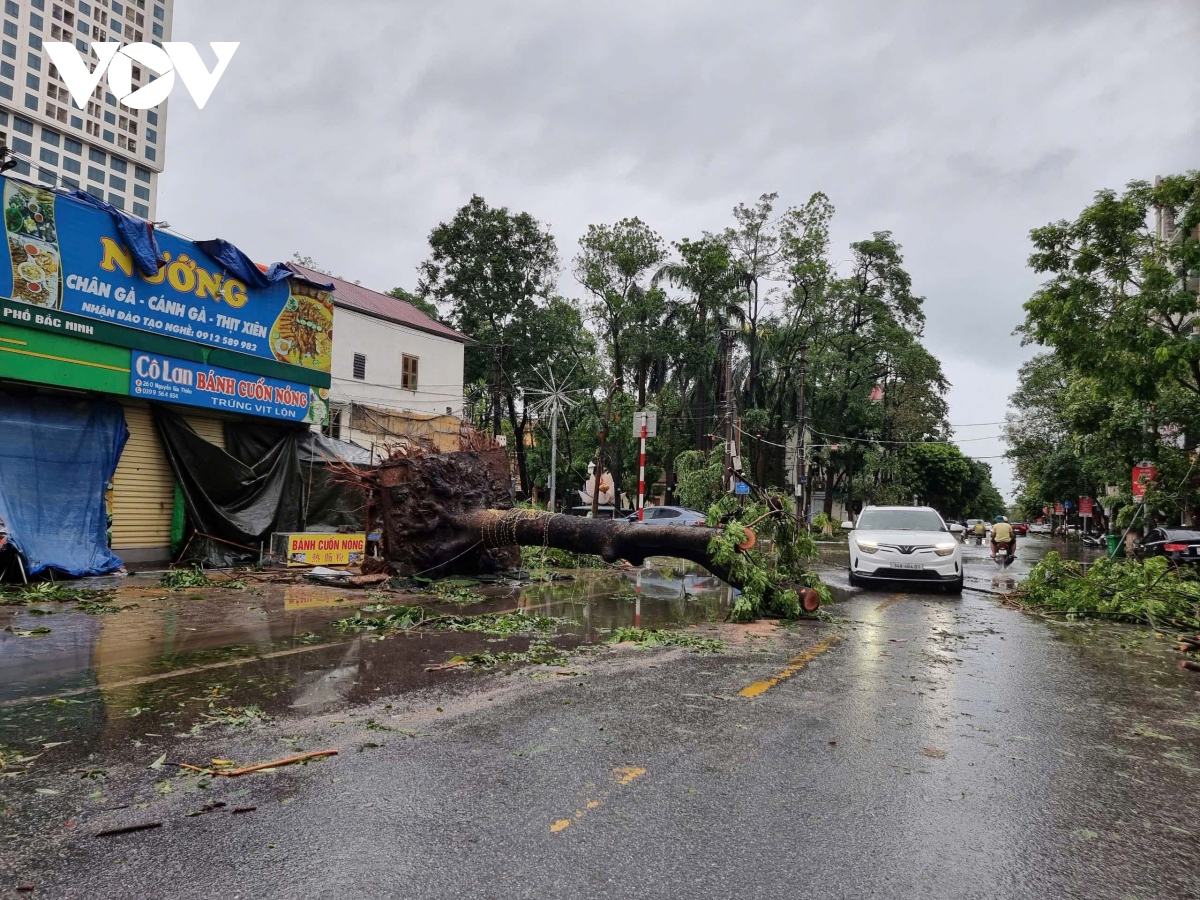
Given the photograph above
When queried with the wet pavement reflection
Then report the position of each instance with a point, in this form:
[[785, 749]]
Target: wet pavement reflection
[[160, 667]]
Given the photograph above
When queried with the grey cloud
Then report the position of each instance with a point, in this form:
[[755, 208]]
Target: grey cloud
[[958, 126]]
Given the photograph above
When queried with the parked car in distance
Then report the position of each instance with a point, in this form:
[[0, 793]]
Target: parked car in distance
[[669, 515], [1039, 528], [1180, 545], [1020, 528], [904, 543]]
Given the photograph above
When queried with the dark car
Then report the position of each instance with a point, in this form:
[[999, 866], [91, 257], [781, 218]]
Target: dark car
[[1020, 528], [1180, 545], [670, 515]]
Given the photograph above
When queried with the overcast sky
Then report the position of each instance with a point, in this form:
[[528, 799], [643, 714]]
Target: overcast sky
[[347, 130]]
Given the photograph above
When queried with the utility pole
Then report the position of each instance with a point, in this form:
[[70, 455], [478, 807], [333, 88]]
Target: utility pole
[[642, 472], [553, 449], [497, 351], [801, 425], [727, 403]]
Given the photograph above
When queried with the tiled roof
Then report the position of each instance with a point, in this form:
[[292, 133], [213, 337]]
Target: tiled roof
[[364, 300]]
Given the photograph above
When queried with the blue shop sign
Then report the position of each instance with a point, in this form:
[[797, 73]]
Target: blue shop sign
[[158, 377]]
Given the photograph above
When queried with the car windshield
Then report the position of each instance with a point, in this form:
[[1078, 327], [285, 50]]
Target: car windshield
[[900, 520]]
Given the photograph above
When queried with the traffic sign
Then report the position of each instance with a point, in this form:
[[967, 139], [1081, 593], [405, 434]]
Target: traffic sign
[[651, 419], [741, 488], [1085, 507]]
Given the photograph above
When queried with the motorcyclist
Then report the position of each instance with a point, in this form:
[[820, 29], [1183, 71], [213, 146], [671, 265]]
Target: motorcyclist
[[980, 531], [1003, 536]]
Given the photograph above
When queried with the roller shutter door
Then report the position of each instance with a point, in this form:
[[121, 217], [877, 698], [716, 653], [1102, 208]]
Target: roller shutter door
[[143, 487]]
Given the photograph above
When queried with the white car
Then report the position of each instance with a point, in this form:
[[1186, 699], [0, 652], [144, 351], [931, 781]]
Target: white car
[[904, 543]]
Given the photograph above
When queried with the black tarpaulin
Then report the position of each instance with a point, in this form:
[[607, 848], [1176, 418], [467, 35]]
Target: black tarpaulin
[[235, 500]]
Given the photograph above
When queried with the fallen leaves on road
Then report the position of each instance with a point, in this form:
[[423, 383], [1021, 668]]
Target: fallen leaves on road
[[933, 752]]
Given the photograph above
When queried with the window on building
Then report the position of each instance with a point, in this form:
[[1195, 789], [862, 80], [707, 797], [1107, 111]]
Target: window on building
[[151, 117], [31, 102], [116, 200], [158, 13], [95, 174], [152, 135], [32, 81], [97, 156], [81, 45], [141, 209], [50, 137], [119, 165], [11, 8], [10, 28], [22, 168], [76, 122], [47, 176], [35, 21], [72, 146], [35, 42], [84, 8], [47, 155], [35, 62], [23, 125], [9, 50], [8, 70], [408, 372], [110, 136], [22, 146], [6, 91], [157, 29], [151, 154], [360, 366], [141, 192], [141, 174], [70, 183], [116, 181], [71, 165], [38, 4]]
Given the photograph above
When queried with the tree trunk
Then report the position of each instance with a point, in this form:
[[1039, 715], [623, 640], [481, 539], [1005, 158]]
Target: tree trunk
[[610, 539], [518, 428]]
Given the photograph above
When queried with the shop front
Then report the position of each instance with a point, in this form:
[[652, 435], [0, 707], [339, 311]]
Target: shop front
[[104, 325]]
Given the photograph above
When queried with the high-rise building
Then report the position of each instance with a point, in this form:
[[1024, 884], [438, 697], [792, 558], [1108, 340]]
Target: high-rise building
[[109, 151]]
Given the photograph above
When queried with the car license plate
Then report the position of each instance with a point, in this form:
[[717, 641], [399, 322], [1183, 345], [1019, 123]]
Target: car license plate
[[909, 566]]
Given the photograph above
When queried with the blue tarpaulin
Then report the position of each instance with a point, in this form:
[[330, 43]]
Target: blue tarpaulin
[[137, 234], [237, 262], [56, 458]]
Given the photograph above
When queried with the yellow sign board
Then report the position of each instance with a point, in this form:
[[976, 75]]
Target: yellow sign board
[[325, 549]]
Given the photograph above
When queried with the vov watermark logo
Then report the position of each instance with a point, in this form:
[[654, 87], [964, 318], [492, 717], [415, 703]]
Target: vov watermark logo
[[165, 61]]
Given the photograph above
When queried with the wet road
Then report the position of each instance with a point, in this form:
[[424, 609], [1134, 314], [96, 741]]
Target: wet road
[[916, 746]]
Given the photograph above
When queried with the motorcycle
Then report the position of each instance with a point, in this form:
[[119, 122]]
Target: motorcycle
[[1094, 540], [1004, 556]]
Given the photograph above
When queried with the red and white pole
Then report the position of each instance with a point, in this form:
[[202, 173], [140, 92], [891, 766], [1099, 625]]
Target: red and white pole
[[642, 474]]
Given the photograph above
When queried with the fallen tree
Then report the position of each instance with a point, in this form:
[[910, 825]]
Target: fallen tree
[[453, 513]]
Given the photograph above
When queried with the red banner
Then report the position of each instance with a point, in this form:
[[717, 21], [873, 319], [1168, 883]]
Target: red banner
[[1058, 510], [1085, 507], [1143, 475]]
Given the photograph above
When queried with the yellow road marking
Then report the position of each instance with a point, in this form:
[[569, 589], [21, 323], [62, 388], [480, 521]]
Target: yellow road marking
[[626, 774], [888, 602], [13, 341], [559, 825], [795, 666]]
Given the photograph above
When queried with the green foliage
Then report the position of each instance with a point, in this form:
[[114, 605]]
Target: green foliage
[[1151, 590], [539, 653], [550, 557], [653, 637], [700, 476], [386, 619], [52, 592], [194, 577]]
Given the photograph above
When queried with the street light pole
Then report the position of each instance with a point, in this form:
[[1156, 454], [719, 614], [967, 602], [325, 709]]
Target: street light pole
[[801, 425]]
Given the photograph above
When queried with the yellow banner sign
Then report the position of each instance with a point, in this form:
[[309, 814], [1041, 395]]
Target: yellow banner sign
[[326, 549]]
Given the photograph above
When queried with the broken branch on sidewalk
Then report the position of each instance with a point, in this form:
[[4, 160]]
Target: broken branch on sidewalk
[[233, 773]]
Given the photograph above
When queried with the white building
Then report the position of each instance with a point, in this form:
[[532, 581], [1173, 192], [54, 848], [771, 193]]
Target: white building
[[113, 153], [397, 374]]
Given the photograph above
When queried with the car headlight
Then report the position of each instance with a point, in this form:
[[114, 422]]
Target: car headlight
[[945, 548], [867, 546]]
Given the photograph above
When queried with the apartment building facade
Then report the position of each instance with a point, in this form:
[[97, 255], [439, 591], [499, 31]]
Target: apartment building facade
[[113, 153]]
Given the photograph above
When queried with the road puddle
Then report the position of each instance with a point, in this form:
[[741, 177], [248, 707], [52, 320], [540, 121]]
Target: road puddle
[[171, 662]]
